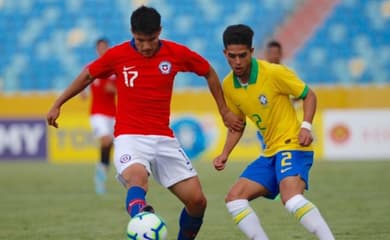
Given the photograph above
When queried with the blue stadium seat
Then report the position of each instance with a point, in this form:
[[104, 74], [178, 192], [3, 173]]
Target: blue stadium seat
[[39, 55], [44, 44], [356, 40]]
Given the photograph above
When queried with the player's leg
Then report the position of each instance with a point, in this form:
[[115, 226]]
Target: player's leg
[[132, 160], [293, 170], [136, 179], [237, 203], [174, 170], [102, 127], [258, 179], [105, 150], [103, 165], [190, 193], [106, 140]]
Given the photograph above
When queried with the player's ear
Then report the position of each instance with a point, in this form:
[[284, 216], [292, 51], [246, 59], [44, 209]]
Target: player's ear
[[159, 31], [252, 50]]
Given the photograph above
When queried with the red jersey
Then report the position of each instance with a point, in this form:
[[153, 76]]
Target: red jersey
[[103, 101], [144, 85]]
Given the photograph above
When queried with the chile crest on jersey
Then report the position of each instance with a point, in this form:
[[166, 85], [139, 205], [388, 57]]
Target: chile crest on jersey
[[165, 67]]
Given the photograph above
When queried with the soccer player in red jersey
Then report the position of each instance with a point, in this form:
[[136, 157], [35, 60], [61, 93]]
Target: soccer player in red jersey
[[144, 144], [102, 118]]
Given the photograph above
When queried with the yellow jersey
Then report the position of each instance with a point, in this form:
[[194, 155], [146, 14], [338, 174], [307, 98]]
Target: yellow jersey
[[265, 100]]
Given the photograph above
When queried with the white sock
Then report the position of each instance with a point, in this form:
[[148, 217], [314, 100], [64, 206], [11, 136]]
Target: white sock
[[246, 219], [309, 216]]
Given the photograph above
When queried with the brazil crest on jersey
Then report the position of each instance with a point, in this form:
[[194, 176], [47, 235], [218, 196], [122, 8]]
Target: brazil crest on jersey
[[265, 100]]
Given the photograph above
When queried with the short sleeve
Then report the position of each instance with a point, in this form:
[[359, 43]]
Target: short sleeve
[[103, 66], [230, 103], [193, 62], [287, 82]]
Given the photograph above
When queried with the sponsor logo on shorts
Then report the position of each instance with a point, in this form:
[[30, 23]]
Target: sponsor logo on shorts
[[125, 158], [283, 170]]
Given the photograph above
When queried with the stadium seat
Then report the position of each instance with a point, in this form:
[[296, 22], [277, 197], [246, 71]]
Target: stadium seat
[[48, 42], [356, 43]]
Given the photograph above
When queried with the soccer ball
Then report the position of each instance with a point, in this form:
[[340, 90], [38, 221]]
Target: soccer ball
[[146, 225]]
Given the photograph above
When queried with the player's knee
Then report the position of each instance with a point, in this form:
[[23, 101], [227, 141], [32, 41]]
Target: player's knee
[[136, 176], [231, 196], [200, 201], [197, 203], [284, 198], [290, 187], [106, 141]]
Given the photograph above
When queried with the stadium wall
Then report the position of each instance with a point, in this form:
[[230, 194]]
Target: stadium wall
[[24, 135]]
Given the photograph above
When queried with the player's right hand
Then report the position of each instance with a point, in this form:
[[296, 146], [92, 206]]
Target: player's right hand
[[52, 116], [220, 162]]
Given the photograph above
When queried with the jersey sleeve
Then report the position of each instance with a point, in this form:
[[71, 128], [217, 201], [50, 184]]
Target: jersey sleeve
[[193, 62], [287, 82], [103, 66], [230, 103]]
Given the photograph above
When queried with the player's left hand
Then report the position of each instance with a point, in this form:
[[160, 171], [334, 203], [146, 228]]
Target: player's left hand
[[233, 122], [220, 162], [305, 138]]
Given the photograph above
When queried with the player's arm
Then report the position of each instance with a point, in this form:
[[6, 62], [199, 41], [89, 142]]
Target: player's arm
[[232, 138], [290, 84], [81, 81], [309, 108], [230, 120]]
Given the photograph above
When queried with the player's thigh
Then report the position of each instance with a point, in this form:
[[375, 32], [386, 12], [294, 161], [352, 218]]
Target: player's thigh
[[246, 189], [292, 169], [171, 165], [133, 155], [258, 179], [136, 175], [291, 186]]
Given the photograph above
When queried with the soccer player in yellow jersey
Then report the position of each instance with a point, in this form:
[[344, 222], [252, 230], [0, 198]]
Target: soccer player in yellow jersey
[[273, 54], [259, 91]]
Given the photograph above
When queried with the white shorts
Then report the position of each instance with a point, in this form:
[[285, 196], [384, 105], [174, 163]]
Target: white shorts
[[162, 157], [102, 125]]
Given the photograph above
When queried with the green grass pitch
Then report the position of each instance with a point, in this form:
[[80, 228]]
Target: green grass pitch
[[40, 201]]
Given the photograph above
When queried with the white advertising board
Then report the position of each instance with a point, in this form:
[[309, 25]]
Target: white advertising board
[[357, 134]]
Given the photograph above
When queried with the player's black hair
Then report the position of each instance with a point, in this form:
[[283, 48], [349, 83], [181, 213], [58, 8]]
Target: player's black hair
[[145, 20], [238, 34], [102, 40], [274, 43]]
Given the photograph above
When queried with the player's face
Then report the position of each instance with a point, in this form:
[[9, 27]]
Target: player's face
[[101, 48], [239, 57], [274, 55], [147, 44]]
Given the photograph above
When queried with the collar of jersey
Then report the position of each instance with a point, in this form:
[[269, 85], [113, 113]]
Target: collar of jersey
[[252, 76], [132, 43]]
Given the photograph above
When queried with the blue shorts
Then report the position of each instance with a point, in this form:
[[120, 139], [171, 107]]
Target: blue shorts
[[270, 171]]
